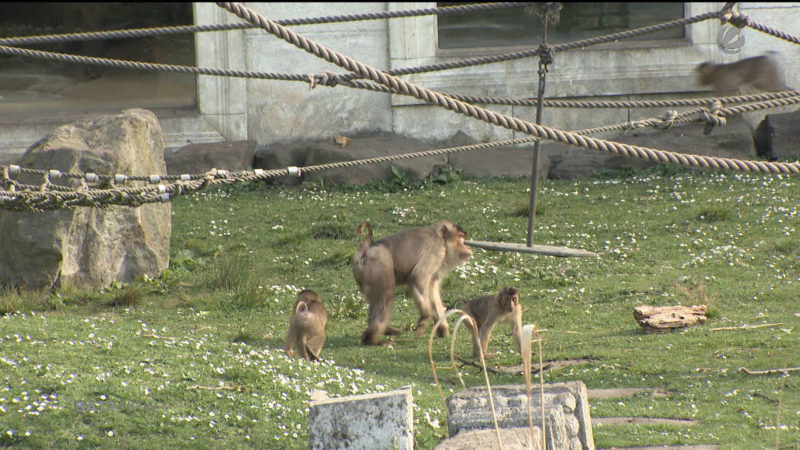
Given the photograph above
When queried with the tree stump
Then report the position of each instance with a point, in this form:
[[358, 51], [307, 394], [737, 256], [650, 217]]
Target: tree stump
[[661, 319]]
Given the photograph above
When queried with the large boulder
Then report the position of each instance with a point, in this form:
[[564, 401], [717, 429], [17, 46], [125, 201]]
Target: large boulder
[[90, 247]]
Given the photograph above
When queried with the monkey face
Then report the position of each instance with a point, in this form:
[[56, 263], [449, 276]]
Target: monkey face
[[509, 298]]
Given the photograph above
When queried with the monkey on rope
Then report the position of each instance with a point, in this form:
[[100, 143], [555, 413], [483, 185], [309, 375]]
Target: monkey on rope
[[417, 257], [488, 311], [307, 326]]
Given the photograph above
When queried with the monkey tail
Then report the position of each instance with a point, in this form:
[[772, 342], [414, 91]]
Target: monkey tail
[[365, 224], [301, 308], [366, 243]]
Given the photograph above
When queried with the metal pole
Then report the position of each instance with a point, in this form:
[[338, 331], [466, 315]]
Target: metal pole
[[535, 170]]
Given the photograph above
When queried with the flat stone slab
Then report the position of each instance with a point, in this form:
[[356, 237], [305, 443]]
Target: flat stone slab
[[512, 438], [567, 422], [369, 421]]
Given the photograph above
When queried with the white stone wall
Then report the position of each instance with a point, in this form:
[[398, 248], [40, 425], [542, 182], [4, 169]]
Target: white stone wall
[[286, 111], [282, 111]]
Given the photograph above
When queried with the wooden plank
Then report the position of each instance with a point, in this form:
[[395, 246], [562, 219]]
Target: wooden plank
[[537, 249]]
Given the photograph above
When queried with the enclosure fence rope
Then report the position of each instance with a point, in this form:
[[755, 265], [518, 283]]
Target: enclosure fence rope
[[503, 120], [163, 31], [47, 195], [327, 78]]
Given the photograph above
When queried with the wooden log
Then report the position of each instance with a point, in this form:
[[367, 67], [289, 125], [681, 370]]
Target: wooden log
[[660, 319], [537, 249]]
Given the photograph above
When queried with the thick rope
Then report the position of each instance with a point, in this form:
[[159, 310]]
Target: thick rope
[[162, 31], [136, 65], [740, 20], [503, 120], [51, 196], [554, 48], [329, 79]]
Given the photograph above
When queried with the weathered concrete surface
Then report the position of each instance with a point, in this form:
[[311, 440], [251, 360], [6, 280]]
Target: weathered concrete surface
[[567, 421], [557, 161], [734, 140], [371, 421], [199, 158], [511, 438], [90, 247], [328, 151]]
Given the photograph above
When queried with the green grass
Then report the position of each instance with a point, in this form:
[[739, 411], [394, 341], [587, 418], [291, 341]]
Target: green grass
[[193, 359]]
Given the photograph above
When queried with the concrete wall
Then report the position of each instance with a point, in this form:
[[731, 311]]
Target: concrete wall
[[282, 111], [286, 111]]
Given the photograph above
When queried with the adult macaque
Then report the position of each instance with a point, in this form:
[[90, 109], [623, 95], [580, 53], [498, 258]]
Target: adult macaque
[[759, 72], [417, 257], [488, 311], [307, 326]]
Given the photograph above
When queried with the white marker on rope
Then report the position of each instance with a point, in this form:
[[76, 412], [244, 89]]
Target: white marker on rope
[[294, 170]]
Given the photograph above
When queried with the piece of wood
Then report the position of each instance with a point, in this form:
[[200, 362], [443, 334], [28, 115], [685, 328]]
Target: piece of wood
[[660, 319], [747, 327], [537, 249], [767, 372]]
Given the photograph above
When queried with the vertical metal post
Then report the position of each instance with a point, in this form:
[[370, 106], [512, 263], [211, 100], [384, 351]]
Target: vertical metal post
[[535, 169]]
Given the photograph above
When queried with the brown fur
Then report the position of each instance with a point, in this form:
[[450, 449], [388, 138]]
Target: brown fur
[[417, 257], [307, 326], [489, 310], [759, 72]]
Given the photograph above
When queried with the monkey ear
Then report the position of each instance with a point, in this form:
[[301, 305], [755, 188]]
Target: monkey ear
[[443, 231]]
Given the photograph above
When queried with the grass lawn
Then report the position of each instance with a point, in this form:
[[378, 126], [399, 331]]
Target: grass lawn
[[193, 358]]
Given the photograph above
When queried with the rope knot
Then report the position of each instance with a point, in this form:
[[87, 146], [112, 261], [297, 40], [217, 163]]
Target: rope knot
[[713, 115], [667, 120], [736, 19], [325, 78], [546, 54]]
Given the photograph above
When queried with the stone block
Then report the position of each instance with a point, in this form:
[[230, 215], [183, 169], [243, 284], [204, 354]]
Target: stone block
[[371, 421], [567, 420], [512, 439]]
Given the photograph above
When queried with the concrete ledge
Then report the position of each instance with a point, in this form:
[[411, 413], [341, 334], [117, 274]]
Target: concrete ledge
[[371, 421], [568, 425]]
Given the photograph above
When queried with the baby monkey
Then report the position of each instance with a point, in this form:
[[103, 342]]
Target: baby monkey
[[307, 326], [489, 310]]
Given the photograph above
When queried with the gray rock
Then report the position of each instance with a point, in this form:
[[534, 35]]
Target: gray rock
[[280, 156], [90, 247], [515, 161], [734, 140], [371, 421], [567, 420], [778, 137], [512, 439], [200, 158]]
